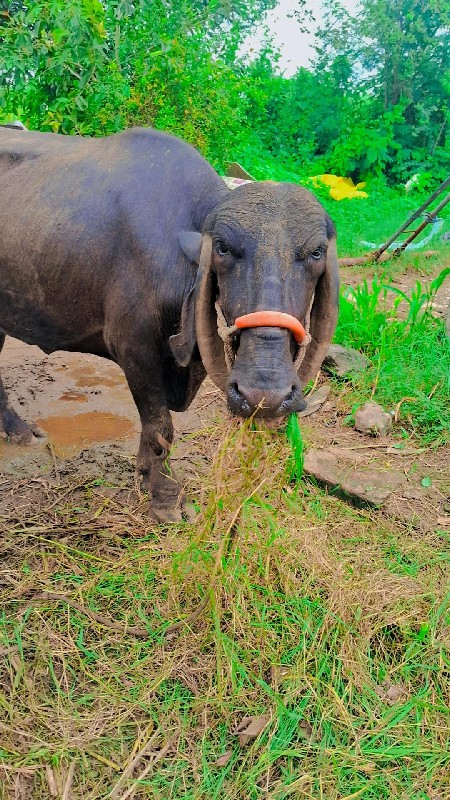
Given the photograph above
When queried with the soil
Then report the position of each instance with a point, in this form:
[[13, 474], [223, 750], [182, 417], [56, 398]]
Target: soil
[[83, 405]]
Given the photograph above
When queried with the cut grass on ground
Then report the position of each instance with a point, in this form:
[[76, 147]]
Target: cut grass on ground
[[326, 624], [132, 655]]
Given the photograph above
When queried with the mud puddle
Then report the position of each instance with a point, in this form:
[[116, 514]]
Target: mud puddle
[[79, 402], [93, 375], [71, 434], [84, 406]]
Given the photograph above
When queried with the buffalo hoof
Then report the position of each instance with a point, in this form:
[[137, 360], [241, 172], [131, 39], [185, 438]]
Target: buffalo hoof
[[26, 435], [180, 513], [167, 499], [165, 515]]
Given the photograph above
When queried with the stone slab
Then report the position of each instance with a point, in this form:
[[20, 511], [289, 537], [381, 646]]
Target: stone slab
[[364, 485], [342, 361]]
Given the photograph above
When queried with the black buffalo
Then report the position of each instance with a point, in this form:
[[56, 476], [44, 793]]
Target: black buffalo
[[122, 247]]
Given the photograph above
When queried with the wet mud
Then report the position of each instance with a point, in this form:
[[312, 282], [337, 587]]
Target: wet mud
[[84, 429], [85, 410]]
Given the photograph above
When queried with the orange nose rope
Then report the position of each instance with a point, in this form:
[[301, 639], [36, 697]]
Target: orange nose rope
[[272, 319]]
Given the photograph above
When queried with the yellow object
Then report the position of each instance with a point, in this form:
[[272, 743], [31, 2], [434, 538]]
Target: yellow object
[[340, 188]]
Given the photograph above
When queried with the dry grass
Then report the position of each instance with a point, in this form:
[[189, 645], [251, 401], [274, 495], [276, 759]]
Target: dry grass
[[331, 620]]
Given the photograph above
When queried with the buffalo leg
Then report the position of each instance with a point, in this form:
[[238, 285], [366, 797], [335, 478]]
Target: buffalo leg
[[16, 429], [152, 463]]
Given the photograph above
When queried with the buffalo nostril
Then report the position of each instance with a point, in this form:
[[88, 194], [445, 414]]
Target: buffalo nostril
[[237, 401], [294, 401], [264, 402]]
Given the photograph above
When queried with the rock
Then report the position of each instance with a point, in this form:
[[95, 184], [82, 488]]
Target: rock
[[315, 400], [373, 419], [413, 494], [341, 361], [390, 692], [367, 486]]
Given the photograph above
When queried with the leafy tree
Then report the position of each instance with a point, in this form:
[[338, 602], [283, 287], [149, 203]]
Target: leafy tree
[[374, 103], [92, 67], [55, 70], [396, 59], [8, 8]]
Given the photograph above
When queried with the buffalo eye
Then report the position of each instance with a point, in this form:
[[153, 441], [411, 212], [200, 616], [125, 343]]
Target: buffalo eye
[[303, 255], [221, 248]]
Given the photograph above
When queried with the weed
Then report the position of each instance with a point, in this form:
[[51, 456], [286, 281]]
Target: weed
[[410, 354]]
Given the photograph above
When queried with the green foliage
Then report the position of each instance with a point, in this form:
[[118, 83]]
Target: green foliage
[[409, 351], [398, 83], [56, 75], [94, 68], [374, 103]]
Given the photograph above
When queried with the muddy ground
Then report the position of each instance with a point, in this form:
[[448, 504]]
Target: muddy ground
[[85, 408]]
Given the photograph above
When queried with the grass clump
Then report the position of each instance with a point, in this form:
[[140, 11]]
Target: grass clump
[[409, 352], [323, 624]]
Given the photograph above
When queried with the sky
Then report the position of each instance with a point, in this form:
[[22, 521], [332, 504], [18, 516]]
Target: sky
[[296, 47]]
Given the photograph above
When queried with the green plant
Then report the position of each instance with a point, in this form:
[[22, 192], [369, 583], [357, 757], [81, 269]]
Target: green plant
[[295, 439], [410, 353], [420, 301]]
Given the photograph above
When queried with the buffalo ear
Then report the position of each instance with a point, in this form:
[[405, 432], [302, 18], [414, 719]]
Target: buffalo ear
[[183, 343], [209, 342], [324, 314], [191, 245]]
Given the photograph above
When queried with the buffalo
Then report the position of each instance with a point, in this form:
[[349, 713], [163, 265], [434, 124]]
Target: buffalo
[[132, 247]]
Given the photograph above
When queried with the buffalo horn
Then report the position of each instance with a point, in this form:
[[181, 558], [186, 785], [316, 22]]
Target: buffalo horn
[[324, 315], [208, 340]]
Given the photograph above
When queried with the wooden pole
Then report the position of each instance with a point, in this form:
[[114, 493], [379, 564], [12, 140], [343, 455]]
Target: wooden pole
[[377, 253]]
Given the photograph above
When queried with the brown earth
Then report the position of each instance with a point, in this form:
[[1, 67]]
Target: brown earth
[[84, 407]]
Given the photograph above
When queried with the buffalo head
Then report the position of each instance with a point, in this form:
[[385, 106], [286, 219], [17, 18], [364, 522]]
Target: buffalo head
[[264, 247]]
